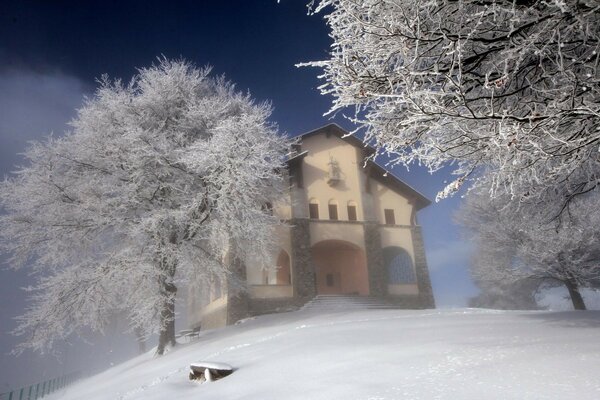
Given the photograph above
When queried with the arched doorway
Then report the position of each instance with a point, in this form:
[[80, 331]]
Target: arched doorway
[[341, 268]]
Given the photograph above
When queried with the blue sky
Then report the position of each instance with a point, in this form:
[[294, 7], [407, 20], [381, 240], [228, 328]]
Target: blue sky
[[52, 52]]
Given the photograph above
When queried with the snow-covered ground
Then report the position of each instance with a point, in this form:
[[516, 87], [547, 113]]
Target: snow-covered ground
[[375, 355]]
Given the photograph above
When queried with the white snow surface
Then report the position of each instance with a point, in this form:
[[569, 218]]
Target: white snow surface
[[374, 355]]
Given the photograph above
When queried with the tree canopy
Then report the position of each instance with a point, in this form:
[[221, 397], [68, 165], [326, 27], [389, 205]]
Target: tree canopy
[[511, 87], [161, 179], [521, 246]]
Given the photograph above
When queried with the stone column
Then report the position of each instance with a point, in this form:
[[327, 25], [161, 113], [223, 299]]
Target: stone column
[[303, 268], [375, 267], [425, 290]]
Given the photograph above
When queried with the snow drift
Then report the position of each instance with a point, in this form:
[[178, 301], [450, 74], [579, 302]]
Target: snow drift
[[375, 355]]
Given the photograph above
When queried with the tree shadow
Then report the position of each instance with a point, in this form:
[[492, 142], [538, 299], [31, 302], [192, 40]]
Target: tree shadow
[[572, 319]]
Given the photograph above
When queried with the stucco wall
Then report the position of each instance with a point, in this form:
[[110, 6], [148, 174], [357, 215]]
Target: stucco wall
[[214, 315], [385, 198], [345, 265], [321, 149], [270, 291], [255, 272], [397, 236], [403, 289], [325, 230]]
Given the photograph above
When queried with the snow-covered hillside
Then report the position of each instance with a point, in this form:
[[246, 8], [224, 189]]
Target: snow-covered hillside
[[375, 355]]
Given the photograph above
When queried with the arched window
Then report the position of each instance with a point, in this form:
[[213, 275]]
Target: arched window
[[352, 213], [399, 266], [313, 208], [281, 275], [284, 274], [333, 210]]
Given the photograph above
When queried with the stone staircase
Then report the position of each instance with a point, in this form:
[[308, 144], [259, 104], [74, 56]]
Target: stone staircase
[[334, 302]]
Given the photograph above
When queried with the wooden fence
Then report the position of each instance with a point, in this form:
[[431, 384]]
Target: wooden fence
[[41, 389]]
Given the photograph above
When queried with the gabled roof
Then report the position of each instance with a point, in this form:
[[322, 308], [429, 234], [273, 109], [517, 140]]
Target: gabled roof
[[376, 171]]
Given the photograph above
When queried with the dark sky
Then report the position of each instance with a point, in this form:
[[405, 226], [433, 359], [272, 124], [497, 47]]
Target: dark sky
[[51, 53]]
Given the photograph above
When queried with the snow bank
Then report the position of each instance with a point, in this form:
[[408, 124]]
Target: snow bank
[[375, 355]]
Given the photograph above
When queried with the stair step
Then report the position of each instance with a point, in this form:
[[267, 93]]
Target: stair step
[[346, 302]]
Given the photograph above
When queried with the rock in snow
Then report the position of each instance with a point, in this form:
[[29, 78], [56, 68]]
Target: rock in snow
[[209, 371]]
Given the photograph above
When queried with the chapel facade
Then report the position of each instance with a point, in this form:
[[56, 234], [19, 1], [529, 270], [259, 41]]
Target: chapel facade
[[351, 230]]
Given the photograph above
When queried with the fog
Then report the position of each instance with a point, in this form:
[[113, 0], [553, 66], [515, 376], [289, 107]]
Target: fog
[[34, 105]]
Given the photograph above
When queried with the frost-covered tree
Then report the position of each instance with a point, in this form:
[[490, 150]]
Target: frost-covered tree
[[503, 295], [513, 86], [161, 180], [516, 243]]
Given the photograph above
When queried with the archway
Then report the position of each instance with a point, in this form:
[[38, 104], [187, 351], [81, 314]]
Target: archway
[[281, 275], [341, 268]]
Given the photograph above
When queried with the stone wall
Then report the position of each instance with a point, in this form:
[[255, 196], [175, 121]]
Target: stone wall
[[376, 269], [272, 306], [214, 319], [425, 290], [303, 269], [411, 302]]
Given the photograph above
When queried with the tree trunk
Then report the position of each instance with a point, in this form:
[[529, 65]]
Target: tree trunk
[[576, 297], [571, 284], [168, 290], [141, 340], [167, 322]]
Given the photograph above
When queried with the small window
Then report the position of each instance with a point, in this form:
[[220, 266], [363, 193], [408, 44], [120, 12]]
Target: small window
[[390, 219], [313, 210], [333, 214], [329, 280], [352, 212]]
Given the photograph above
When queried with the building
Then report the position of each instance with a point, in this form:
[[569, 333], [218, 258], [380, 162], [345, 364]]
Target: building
[[352, 230]]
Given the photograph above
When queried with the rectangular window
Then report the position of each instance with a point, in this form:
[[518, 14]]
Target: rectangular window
[[333, 212], [313, 211], [352, 213], [389, 217], [329, 280]]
